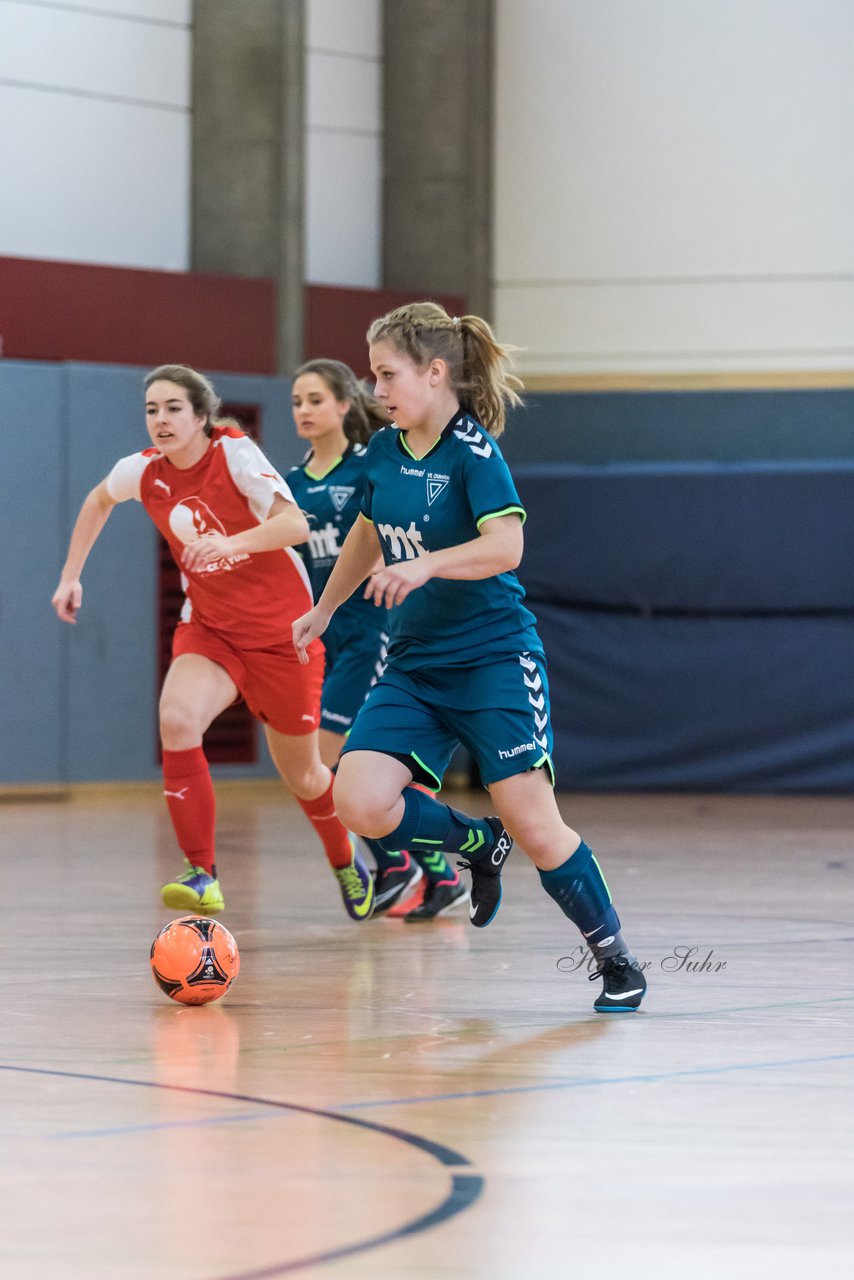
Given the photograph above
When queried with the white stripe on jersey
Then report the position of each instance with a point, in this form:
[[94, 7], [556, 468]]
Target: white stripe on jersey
[[125, 479], [255, 476]]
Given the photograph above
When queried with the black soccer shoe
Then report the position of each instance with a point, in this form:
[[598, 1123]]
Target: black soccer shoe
[[393, 883], [486, 877], [623, 985], [438, 899]]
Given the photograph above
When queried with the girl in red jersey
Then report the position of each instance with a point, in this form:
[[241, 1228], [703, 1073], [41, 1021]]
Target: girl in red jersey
[[231, 524]]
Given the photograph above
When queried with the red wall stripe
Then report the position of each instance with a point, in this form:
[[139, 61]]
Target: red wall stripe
[[123, 315]]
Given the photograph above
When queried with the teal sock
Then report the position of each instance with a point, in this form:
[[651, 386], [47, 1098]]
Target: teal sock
[[385, 858], [436, 867], [429, 826], [579, 889]]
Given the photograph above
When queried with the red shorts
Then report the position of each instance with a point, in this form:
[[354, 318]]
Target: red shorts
[[275, 685]]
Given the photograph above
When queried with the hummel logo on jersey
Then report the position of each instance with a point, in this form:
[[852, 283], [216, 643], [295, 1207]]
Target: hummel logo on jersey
[[475, 439], [164, 485], [340, 496]]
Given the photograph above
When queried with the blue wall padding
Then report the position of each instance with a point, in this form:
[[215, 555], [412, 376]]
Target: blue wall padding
[[698, 622], [703, 704], [755, 537], [670, 426]]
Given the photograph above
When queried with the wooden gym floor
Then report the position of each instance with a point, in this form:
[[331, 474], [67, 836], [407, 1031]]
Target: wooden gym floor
[[415, 1102]]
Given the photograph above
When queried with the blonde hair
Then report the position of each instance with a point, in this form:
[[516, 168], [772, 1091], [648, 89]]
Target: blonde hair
[[200, 392], [365, 415], [478, 365]]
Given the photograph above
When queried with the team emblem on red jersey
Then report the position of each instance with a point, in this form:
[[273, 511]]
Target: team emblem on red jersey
[[191, 517]]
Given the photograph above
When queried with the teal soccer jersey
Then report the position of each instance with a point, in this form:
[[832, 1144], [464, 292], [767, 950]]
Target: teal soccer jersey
[[355, 639], [331, 502], [426, 504]]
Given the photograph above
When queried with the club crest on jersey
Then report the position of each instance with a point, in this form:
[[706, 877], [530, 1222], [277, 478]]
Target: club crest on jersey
[[192, 518], [340, 495], [435, 485]]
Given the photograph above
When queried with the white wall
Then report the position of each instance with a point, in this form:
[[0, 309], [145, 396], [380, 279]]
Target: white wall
[[95, 132], [343, 174], [675, 184]]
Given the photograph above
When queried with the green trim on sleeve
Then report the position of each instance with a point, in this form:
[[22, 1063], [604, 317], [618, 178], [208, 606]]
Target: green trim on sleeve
[[367, 519], [506, 511]]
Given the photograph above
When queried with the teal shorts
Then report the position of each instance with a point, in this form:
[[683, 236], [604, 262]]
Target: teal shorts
[[355, 659], [499, 711]]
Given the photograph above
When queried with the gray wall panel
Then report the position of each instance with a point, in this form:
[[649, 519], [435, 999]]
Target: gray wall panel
[[112, 690], [32, 745]]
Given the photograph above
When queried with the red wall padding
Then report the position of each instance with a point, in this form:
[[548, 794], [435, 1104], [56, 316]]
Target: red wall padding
[[119, 315]]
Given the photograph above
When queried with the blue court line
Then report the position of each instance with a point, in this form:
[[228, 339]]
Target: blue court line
[[466, 1187], [590, 1082], [164, 1124]]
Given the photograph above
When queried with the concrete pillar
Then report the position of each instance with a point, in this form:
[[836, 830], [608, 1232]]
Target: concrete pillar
[[248, 150], [438, 125]]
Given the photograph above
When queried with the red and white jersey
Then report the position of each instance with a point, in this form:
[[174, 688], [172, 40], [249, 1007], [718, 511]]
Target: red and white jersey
[[251, 599]]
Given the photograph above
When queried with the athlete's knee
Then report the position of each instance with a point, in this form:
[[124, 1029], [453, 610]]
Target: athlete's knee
[[363, 808], [180, 725], [541, 838], [307, 781]]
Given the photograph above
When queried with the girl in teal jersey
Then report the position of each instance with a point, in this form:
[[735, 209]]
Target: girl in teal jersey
[[336, 416], [465, 664]]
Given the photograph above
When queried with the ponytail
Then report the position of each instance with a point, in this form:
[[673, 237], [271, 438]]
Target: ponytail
[[478, 365]]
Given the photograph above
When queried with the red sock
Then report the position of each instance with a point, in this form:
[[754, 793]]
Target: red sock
[[189, 794], [322, 816]]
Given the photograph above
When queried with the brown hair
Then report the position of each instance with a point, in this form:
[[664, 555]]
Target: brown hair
[[478, 366], [365, 415], [200, 391]]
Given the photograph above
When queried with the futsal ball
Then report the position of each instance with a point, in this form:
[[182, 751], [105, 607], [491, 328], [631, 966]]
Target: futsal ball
[[194, 960]]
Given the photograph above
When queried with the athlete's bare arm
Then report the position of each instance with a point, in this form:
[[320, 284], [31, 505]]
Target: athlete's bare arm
[[285, 526], [68, 596], [358, 557]]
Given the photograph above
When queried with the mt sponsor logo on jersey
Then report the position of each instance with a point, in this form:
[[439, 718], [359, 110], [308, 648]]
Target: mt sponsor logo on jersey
[[404, 544], [323, 543], [435, 484]]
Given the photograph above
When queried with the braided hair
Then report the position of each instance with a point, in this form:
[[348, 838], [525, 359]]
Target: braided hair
[[478, 365]]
